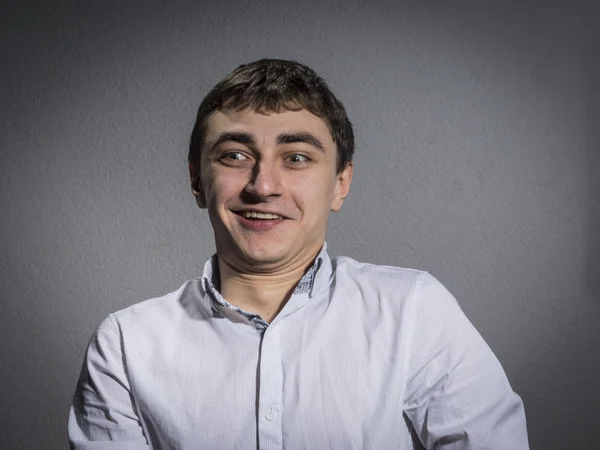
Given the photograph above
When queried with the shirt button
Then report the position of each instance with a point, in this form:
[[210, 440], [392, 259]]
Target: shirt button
[[270, 415]]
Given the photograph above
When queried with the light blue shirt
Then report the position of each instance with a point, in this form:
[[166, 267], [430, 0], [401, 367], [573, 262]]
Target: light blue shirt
[[360, 357]]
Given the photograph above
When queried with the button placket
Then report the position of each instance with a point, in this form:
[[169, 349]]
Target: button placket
[[271, 392]]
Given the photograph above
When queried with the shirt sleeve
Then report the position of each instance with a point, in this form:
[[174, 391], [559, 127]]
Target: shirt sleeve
[[102, 414], [458, 396]]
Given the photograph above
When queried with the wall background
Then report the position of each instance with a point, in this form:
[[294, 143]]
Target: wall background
[[478, 159]]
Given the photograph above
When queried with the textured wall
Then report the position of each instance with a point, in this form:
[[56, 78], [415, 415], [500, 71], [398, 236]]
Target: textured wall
[[478, 160]]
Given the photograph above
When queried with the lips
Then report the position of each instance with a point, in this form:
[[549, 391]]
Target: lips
[[259, 221], [259, 215]]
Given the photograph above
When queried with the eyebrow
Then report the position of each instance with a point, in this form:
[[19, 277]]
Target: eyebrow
[[302, 137], [240, 138], [283, 138]]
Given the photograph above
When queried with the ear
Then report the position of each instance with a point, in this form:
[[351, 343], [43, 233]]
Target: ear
[[197, 186], [344, 179]]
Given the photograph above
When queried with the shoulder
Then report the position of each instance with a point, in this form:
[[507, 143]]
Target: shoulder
[[417, 287], [349, 270], [159, 311]]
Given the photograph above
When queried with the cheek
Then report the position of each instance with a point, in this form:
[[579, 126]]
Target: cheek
[[315, 193], [219, 187]]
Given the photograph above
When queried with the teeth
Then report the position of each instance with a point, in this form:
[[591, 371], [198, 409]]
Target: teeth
[[257, 215]]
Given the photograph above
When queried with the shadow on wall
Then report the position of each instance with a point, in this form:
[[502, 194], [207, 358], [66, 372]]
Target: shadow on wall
[[592, 69]]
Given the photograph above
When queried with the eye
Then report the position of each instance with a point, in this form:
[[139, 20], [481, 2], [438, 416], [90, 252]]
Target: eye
[[234, 156], [298, 158]]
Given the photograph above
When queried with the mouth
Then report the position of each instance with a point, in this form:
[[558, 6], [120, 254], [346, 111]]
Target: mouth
[[256, 215]]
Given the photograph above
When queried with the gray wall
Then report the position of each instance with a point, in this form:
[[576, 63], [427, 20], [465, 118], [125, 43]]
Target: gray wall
[[478, 160]]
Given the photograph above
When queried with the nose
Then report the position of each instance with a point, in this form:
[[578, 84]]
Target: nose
[[265, 181]]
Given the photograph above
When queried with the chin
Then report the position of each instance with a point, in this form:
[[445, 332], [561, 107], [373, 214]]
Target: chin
[[266, 254], [269, 256]]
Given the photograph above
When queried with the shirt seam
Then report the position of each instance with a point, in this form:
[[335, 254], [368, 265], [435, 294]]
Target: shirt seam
[[411, 332], [138, 413]]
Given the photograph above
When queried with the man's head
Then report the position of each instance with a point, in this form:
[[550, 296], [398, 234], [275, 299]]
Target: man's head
[[275, 85], [270, 157]]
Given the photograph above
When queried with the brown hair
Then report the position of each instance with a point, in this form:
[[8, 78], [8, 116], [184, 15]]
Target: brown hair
[[275, 85]]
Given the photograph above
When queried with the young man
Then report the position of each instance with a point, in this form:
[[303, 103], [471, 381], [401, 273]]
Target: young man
[[276, 345]]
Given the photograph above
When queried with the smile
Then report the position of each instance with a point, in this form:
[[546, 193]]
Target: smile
[[259, 215]]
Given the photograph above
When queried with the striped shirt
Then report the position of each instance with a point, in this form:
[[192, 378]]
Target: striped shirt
[[360, 357]]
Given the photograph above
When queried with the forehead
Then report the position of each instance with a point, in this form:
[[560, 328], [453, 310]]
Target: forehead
[[267, 126]]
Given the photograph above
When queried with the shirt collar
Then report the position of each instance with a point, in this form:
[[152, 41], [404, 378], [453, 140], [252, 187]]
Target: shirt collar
[[317, 278]]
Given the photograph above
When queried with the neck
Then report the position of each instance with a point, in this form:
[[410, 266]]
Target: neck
[[263, 294]]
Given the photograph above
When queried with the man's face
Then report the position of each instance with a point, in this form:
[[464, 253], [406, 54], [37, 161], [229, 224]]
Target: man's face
[[269, 182]]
